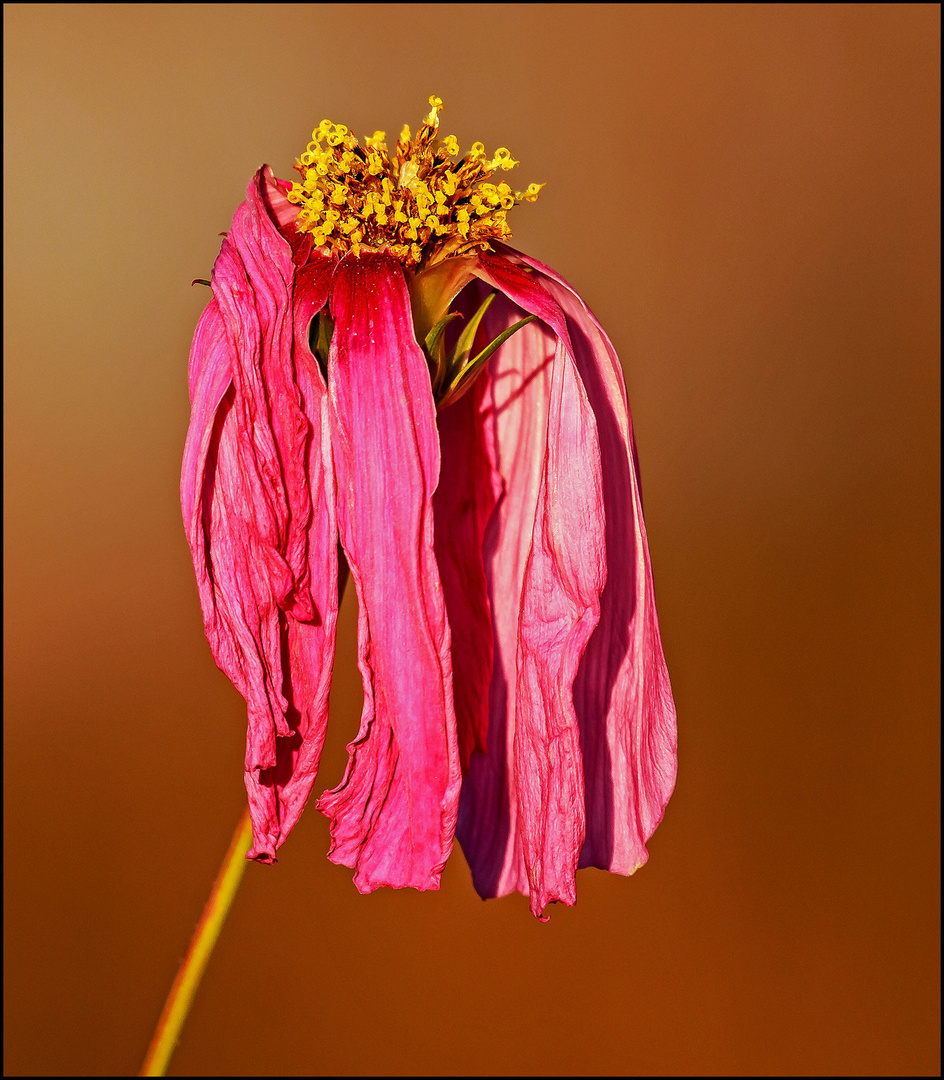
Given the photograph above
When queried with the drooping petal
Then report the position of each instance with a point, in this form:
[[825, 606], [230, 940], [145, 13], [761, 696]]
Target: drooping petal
[[522, 814], [468, 490], [307, 646], [622, 693], [253, 282], [393, 815], [210, 379], [513, 414], [251, 529]]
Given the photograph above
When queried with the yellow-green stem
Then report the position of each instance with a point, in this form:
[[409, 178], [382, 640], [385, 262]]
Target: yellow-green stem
[[201, 945]]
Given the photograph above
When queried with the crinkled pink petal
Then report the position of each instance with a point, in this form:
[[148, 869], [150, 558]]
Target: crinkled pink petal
[[209, 378], [468, 489], [253, 281], [307, 646], [248, 507], [393, 815], [622, 692], [513, 414], [560, 608], [522, 818]]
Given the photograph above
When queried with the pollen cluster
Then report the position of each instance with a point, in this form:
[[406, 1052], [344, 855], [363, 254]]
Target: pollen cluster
[[420, 205]]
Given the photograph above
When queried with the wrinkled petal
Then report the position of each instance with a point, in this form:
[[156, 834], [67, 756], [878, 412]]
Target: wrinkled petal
[[307, 646], [522, 813], [468, 490], [622, 693], [393, 815], [210, 378], [253, 282], [254, 539], [513, 413]]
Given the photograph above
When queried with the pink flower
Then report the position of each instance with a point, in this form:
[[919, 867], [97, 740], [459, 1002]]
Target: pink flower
[[515, 690]]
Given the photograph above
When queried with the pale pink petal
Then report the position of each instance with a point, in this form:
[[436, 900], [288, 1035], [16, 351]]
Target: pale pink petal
[[468, 490], [559, 606], [560, 609], [513, 414], [393, 815], [622, 693]]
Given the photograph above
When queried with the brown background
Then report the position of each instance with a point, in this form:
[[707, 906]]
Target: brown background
[[747, 195]]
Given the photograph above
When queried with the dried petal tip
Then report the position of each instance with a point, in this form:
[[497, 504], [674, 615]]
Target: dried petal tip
[[417, 204]]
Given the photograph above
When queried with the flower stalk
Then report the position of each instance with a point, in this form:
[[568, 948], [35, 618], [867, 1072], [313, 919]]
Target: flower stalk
[[201, 946]]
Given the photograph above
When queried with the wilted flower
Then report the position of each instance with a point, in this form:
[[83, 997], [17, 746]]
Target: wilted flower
[[377, 369]]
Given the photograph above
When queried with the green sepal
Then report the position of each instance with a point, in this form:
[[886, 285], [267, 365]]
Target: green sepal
[[319, 338], [433, 350], [460, 354], [464, 378], [434, 337]]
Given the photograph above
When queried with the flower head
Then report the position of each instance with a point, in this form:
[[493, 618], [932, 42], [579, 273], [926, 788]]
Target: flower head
[[419, 205], [379, 374]]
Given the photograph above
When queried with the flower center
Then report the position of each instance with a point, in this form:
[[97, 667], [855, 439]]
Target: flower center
[[420, 205]]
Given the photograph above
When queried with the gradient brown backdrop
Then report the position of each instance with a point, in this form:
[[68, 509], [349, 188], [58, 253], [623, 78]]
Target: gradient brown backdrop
[[747, 195]]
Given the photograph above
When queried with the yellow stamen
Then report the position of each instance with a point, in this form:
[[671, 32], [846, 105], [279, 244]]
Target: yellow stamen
[[414, 203]]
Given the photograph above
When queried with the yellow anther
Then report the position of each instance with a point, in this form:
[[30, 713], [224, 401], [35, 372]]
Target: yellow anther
[[346, 197], [503, 160]]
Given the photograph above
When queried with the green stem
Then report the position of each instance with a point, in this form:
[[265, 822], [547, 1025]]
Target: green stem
[[201, 946]]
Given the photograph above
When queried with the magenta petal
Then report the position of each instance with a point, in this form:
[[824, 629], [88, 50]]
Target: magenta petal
[[522, 814], [560, 609], [630, 759], [248, 483], [253, 281], [393, 815], [307, 646], [463, 503], [209, 378], [514, 414]]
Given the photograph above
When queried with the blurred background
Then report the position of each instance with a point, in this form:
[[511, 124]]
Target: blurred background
[[747, 196]]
